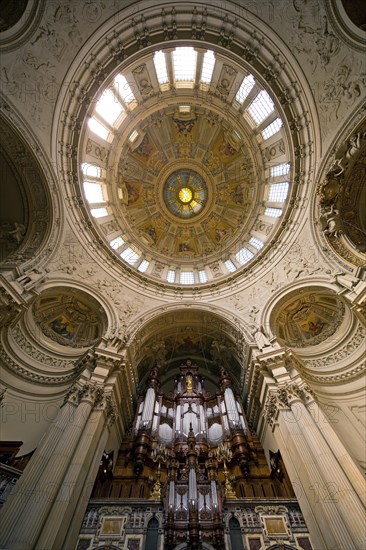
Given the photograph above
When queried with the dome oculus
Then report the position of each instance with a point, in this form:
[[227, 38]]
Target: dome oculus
[[185, 194]]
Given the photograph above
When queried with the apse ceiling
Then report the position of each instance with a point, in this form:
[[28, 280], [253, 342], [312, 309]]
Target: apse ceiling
[[208, 340], [185, 166]]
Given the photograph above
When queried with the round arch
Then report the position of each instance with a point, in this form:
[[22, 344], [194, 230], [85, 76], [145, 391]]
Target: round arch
[[171, 333], [37, 235]]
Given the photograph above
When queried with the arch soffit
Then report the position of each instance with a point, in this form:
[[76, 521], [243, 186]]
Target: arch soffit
[[34, 250], [334, 158], [142, 323], [280, 294], [233, 330], [107, 305], [348, 335]]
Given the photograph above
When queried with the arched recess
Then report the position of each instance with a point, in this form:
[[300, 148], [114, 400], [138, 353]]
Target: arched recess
[[339, 208], [211, 338], [18, 22], [152, 534], [43, 354], [325, 343], [236, 537], [31, 216]]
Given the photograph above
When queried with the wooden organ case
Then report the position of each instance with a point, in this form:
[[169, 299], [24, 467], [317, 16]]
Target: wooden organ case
[[193, 452]]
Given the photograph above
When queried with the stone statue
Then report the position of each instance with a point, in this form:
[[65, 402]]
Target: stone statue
[[261, 339], [354, 144], [332, 222], [17, 233]]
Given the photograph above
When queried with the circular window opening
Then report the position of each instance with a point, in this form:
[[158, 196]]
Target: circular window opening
[[185, 194]]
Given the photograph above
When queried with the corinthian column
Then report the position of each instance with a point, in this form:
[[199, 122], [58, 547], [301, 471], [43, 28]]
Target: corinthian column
[[54, 532], [27, 488], [336, 486], [322, 486], [34, 514]]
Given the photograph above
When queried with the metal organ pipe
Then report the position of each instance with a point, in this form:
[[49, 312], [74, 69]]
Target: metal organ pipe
[[231, 408], [148, 409], [192, 488], [214, 494], [202, 419], [178, 427], [171, 495]]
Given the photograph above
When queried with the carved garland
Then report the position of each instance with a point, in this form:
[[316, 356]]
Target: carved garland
[[343, 353]]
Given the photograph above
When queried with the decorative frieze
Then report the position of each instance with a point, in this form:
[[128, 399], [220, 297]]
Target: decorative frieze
[[342, 353]]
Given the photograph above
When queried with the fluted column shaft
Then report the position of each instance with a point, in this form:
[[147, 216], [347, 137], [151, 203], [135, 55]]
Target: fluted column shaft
[[313, 484], [34, 515], [53, 532], [26, 487], [352, 472], [335, 485], [73, 529]]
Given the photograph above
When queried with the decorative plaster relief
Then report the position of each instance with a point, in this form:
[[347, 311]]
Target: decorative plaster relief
[[69, 317], [343, 353]]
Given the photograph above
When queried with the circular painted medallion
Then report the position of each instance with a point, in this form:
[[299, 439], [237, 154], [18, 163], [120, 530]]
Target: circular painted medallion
[[185, 194]]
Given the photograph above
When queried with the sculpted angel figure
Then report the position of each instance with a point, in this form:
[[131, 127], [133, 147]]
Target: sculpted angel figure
[[332, 222]]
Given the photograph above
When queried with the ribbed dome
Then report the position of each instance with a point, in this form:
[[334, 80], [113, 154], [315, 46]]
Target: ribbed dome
[[196, 177]]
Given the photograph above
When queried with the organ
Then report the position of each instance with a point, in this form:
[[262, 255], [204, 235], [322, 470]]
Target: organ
[[193, 451]]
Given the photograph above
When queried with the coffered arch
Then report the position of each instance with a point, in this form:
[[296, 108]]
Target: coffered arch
[[210, 336]]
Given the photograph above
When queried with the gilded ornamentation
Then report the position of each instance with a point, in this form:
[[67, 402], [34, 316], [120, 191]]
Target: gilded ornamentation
[[307, 319], [69, 317], [271, 510]]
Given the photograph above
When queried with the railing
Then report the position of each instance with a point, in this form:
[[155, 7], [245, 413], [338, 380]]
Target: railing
[[8, 478]]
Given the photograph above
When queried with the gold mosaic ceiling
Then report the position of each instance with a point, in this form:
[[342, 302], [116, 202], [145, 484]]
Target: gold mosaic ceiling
[[307, 318], [202, 156]]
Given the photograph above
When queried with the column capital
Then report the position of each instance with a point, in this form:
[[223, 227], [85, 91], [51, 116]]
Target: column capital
[[283, 397], [84, 391]]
